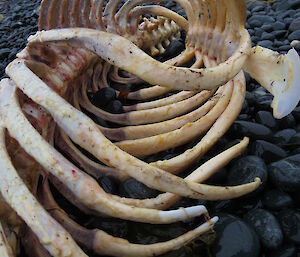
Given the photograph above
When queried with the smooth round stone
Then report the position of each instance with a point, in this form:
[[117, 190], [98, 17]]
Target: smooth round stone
[[262, 18], [294, 35], [255, 23], [135, 189], [285, 173], [287, 122], [267, 36], [267, 27], [267, 151], [234, 238], [296, 113], [290, 224], [108, 184], [266, 227], [295, 25], [258, 8], [279, 33], [174, 48], [114, 107], [288, 250], [266, 118], [278, 25], [259, 32], [295, 139], [250, 98], [251, 129], [276, 200], [103, 97], [265, 43], [246, 169], [283, 136]]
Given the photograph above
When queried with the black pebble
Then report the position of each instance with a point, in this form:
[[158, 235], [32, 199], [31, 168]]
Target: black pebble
[[267, 151], [234, 238], [283, 136], [135, 189], [108, 184], [114, 107], [266, 118], [285, 173], [290, 224], [174, 48], [266, 227], [288, 250], [103, 97], [246, 169], [251, 129], [276, 200]]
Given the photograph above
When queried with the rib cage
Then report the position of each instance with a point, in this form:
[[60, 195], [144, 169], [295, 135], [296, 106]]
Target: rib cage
[[55, 75]]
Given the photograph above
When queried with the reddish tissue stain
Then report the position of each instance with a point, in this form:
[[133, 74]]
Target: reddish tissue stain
[[73, 172]]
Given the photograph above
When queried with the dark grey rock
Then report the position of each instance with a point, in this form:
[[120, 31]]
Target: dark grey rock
[[283, 136], [267, 151], [285, 174], [290, 224], [295, 25], [278, 25], [135, 189], [267, 27], [246, 169], [232, 229], [266, 227], [263, 19], [251, 129], [276, 200], [266, 118], [288, 250], [267, 36], [294, 35]]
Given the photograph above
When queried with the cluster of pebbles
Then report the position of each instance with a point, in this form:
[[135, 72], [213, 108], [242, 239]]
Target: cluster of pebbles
[[264, 223]]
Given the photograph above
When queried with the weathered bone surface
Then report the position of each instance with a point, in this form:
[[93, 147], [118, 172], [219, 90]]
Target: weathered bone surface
[[48, 118]]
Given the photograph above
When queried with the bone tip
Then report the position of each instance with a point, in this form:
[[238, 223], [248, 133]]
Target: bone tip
[[286, 100], [195, 211]]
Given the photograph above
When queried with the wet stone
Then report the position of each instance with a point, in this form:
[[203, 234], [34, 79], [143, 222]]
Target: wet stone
[[266, 118], [296, 113], [267, 27], [108, 184], [287, 122], [103, 97], [261, 18], [234, 238], [266, 227], [294, 35], [174, 48], [115, 107], [283, 136], [265, 43], [295, 25], [290, 224], [267, 151], [246, 169], [285, 173], [295, 140], [276, 200], [288, 250], [267, 36], [251, 129], [134, 189], [278, 25]]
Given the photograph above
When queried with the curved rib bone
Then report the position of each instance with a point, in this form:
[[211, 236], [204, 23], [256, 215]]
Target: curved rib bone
[[166, 200], [53, 237], [5, 249], [86, 190], [102, 243], [85, 133], [130, 58]]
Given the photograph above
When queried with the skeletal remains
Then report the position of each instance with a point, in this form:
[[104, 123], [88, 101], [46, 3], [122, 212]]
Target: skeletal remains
[[85, 45]]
